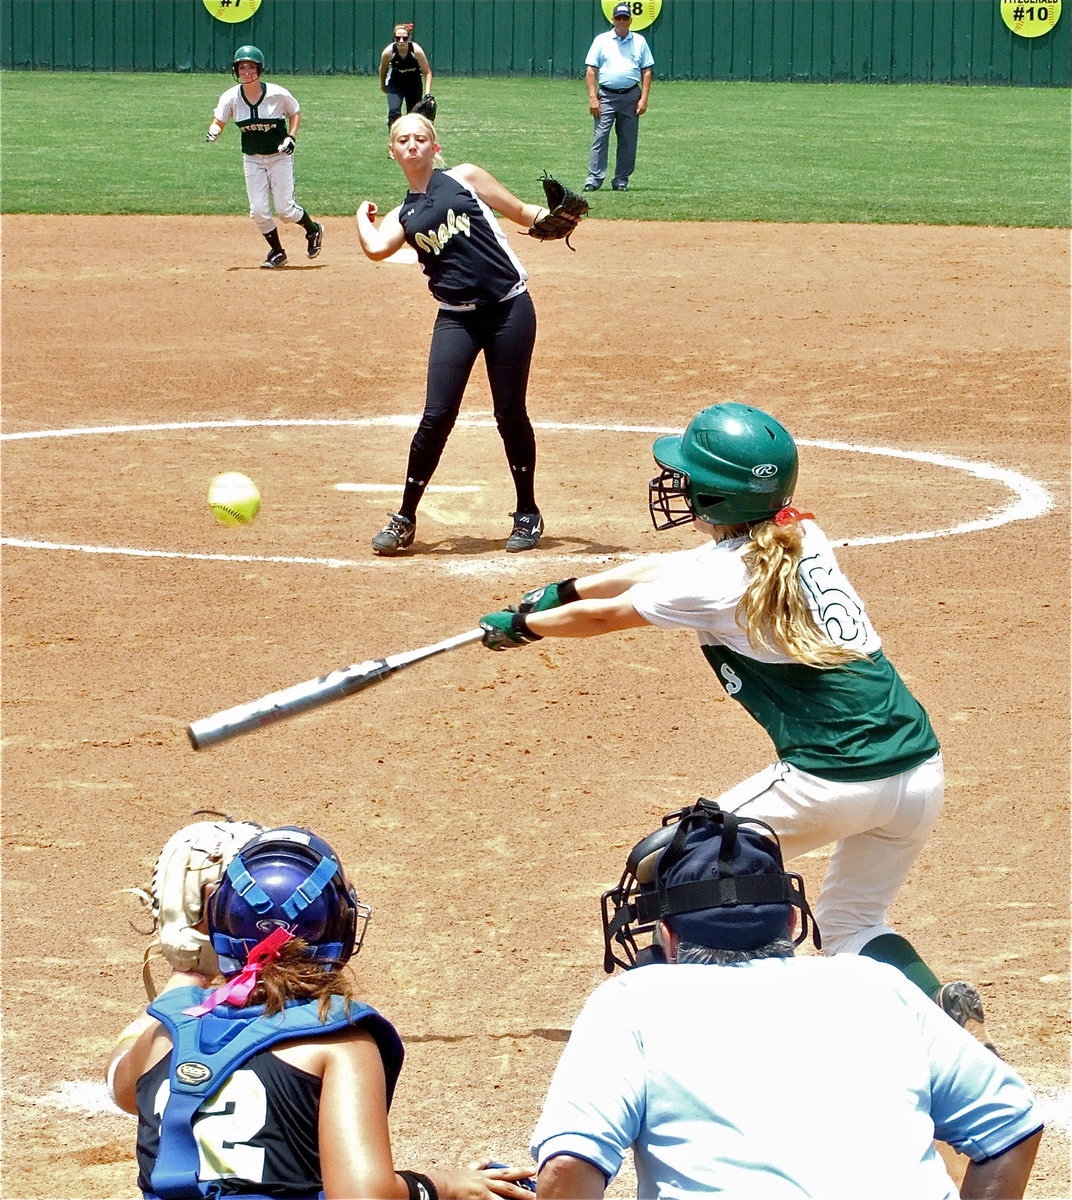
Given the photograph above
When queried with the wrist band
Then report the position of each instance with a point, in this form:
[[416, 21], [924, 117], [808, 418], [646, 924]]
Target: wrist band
[[522, 626], [420, 1186]]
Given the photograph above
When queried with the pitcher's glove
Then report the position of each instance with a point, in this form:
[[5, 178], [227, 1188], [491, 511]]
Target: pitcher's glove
[[427, 107], [564, 212], [192, 860]]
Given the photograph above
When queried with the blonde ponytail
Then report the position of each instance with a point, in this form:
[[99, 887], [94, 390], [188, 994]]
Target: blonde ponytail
[[774, 612]]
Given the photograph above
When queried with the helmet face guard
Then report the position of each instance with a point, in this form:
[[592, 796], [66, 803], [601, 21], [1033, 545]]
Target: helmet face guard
[[636, 906], [248, 54], [668, 499], [288, 879]]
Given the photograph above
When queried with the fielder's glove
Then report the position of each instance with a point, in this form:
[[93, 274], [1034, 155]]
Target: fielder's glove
[[191, 860], [427, 107], [551, 595], [286, 146], [507, 629], [564, 211]]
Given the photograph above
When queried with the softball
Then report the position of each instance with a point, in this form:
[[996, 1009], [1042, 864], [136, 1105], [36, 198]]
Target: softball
[[234, 498]]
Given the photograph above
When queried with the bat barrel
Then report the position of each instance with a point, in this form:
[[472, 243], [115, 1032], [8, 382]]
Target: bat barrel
[[245, 718], [278, 706]]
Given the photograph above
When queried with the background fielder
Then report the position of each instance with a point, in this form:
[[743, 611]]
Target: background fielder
[[268, 117], [405, 73]]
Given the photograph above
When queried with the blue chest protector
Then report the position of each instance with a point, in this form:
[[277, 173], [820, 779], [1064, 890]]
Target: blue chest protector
[[208, 1050]]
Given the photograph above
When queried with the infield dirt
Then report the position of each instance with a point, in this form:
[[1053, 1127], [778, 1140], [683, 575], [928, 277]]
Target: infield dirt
[[482, 802]]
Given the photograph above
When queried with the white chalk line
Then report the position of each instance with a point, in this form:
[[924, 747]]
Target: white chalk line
[[1030, 498]]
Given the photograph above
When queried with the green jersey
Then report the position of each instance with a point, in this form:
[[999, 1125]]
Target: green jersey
[[263, 123], [854, 722]]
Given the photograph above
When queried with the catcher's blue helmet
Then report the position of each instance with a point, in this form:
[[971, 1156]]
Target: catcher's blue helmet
[[288, 878]]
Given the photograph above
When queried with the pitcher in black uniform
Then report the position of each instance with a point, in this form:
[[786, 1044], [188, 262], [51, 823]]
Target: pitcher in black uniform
[[448, 217], [278, 1081], [405, 75]]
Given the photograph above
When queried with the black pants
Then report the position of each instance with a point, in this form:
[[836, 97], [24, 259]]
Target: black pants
[[506, 333], [399, 93]]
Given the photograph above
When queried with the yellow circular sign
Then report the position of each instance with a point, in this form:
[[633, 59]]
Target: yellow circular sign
[[232, 11], [644, 11], [1030, 20]]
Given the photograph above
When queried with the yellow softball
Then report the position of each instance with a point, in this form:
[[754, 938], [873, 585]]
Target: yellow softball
[[234, 498]]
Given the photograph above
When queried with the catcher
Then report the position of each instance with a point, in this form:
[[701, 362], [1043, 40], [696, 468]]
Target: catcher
[[278, 1081], [484, 305]]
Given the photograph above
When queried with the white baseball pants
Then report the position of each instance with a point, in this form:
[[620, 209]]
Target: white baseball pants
[[270, 177], [879, 827]]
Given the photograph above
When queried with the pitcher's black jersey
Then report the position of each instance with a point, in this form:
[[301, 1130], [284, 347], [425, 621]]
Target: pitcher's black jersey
[[460, 245]]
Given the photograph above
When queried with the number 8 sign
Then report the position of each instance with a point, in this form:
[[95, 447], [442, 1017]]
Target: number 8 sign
[[644, 11]]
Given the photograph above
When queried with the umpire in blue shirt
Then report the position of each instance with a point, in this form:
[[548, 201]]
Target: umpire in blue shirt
[[618, 71]]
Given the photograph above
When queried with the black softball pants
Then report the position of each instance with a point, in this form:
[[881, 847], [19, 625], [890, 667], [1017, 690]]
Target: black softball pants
[[506, 333], [407, 93]]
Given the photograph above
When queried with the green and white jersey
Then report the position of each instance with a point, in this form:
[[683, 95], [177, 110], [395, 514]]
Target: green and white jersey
[[263, 124], [855, 722]]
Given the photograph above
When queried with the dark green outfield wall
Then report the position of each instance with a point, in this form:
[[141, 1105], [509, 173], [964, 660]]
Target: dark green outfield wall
[[818, 41]]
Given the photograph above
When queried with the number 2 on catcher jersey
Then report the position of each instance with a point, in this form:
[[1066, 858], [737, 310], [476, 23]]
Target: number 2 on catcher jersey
[[224, 1126]]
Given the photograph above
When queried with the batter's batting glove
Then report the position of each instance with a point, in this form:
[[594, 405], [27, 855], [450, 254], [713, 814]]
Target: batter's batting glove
[[286, 146], [212, 135], [551, 595], [507, 629]]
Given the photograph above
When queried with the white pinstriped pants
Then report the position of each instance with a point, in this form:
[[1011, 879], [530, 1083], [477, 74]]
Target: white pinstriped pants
[[270, 177]]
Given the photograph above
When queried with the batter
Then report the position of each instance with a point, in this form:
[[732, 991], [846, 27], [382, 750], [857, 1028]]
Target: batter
[[859, 765]]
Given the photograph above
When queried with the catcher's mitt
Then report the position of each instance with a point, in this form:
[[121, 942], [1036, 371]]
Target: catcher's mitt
[[427, 107], [192, 859], [564, 211]]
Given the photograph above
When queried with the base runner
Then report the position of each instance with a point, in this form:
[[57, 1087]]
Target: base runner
[[268, 117]]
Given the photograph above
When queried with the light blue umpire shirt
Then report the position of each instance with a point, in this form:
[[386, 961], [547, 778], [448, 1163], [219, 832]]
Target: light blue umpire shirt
[[619, 61]]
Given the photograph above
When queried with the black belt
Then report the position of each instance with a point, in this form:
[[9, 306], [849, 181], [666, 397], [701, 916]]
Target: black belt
[[619, 91]]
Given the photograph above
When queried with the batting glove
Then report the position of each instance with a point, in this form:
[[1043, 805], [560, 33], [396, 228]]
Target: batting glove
[[286, 146], [212, 135], [551, 595], [507, 629]]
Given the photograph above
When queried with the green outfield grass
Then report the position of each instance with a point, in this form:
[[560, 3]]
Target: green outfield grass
[[102, 143]]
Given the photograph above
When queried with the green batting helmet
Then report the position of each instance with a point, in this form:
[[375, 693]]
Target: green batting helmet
[[247, 54], [733, 464]]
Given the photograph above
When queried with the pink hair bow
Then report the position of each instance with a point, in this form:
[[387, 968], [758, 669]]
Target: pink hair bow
[[236, 991]]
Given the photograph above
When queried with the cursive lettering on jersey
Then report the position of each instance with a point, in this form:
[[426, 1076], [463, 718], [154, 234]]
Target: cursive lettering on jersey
[[435, 239]]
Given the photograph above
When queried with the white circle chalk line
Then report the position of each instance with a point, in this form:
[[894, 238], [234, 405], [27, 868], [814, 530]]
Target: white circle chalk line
[[1030, 498]]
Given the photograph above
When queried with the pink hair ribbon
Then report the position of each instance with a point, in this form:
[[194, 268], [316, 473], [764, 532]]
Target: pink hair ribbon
[[236, 991], [786, 515]]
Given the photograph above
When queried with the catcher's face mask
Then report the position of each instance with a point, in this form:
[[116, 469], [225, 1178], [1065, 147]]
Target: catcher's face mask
[[643, 896]]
